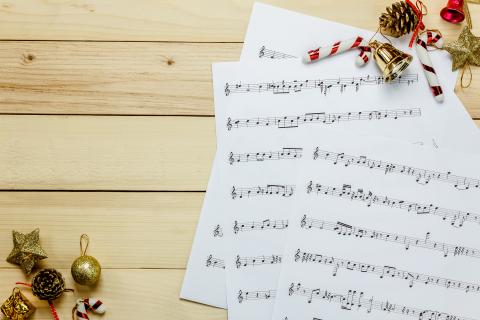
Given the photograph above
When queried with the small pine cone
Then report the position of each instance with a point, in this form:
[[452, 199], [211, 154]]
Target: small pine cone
[[400, 19], [48, 284]]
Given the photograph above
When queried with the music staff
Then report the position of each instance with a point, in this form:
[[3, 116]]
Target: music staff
[[422, 176], [215, 263], [354, 300], [270, 189], [257, 261], [260, 225], [384, 271], [255, 295], [272, 54], [455, 218], [324, 85], [346, 230], [287, 122], [218, 231], [285, 153]]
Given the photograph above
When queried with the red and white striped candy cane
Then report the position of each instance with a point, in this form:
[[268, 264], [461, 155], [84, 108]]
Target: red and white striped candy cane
[[336, 48], [364, 56], [83, 306], [429, 38]]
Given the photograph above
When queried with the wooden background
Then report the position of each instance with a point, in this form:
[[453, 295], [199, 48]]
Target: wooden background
[[106, 128]]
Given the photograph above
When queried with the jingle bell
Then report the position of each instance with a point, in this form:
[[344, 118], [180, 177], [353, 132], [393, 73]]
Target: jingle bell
[[453, 12], [391, 61]]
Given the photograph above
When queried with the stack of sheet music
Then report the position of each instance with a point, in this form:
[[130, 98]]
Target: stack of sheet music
[[333, 194]]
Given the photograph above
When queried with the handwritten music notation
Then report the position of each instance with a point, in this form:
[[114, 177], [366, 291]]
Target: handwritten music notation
[[255, 295], [218, 231], [268, 190], [384, 271], [343, 229], [455, 218], [354, 300], [285, 153], [214, 262], [272, 54], [422, 176], [260, 225], [257, 261], [324, 85], [287, 122]]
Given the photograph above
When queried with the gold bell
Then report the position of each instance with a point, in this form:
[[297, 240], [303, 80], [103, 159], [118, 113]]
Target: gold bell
[[390, 60]]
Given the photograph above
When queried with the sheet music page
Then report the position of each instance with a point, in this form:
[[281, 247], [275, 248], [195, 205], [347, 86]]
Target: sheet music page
[[382, 230], [274, 111]]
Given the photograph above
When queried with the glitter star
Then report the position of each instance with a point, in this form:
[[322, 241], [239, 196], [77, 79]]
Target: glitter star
[[465, 51], [26, 250]]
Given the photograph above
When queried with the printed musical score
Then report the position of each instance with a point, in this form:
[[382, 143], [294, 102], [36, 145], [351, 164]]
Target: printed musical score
[[324, 85], [257, 261], [422, 176], [214, 262], [288, 122], [218, 231], [260, 225], [269, 190], [384, 272], [255, 295], [346, 230], [455, 218], [354, 300], [272, 54], [285, 153]]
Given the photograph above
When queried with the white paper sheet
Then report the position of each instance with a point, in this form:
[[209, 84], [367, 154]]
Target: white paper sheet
[[382, 230]]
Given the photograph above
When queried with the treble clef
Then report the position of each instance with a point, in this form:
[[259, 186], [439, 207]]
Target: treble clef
[[262, 52], [310, 187], [231, 159], [238, 263], [227, 89], [315, 154], [304, 221], [290, 290], [235, 227], [297, 255], [240, 296], [234, 193], [217, 232], [229, 124], [209, 260]]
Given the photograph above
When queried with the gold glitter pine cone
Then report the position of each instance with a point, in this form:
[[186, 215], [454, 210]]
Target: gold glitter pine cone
[[48, 284], [400, 19]]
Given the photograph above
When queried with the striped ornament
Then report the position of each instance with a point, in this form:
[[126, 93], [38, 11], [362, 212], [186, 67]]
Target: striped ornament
[[85, 305], [430, 38], [338, 47]]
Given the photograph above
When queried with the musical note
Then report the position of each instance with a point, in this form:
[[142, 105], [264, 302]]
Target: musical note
[[214, 262], [384, 272], [324, 85], [217, 231], [354, 300], [422, 176], [272, 54], [256, 261], [260, 225], [268, 190], [288, 122], [455, 218], [343, 229], [285, 153], [255, 295]]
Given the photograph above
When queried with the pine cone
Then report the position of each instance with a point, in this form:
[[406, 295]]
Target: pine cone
[[48, 284], [400, 19]]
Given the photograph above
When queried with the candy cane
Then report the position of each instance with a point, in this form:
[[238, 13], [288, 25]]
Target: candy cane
[[336, 48], [364, 56], [426, 39], [87, 304]]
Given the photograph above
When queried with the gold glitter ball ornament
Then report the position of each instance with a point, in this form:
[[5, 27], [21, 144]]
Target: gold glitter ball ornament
[[86, 270], [17, 306], [26, 250]]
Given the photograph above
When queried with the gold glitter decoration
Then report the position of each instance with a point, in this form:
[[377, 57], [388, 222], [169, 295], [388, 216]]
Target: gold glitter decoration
[[26, 250], [17, 307], [465, 51], [86, 270]]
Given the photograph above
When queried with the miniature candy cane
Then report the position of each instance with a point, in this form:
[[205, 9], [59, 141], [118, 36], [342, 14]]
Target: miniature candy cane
[[84, 305], [426, 39], [336, 48]]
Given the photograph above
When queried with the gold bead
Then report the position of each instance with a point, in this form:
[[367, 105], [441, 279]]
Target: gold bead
[[86, 270]]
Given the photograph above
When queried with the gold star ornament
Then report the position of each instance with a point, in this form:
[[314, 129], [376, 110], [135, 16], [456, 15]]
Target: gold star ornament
[[26, 250], [465, 51]]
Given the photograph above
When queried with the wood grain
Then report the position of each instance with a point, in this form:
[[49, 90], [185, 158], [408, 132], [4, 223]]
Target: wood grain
[[105, 152], [127, 294], [127, 229]]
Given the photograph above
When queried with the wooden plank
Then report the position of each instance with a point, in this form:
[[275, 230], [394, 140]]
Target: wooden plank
[[105, 152], [127, 229], [171, 20], [127, 294], [109, 78]]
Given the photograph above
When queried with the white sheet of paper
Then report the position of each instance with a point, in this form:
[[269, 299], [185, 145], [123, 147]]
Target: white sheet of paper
[[382, 230]]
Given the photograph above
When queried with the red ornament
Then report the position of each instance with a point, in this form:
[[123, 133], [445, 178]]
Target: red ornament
[[453, 12]]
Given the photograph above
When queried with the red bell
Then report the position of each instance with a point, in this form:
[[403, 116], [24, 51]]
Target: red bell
[[453, 12]]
